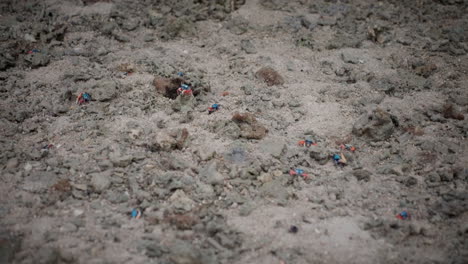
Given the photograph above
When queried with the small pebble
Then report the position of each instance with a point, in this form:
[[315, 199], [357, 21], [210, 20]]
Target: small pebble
[[293, 229], [12, 163]]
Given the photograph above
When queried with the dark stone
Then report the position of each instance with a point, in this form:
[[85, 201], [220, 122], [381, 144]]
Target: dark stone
[[237, 25], [410, 181], [293, 229], [376, 126], [319, 154], [9, 246], [6, 63], [38, 59], [247, 46], [362, 175]]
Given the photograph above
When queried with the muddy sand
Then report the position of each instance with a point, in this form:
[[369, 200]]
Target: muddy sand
[[339, 134]]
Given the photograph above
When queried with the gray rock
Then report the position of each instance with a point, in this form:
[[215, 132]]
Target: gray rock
[[108, 28], [319, 154], [437, 117], [155, 19], [179, 201], [273, 146], [326, 21], [179, 164], [104, 164], [362, 175], [68, 228], [247, 46], [120, 160], [81, 187], [278, 103], [391, 169], [47, 255], [417, 229], [386, 85], [248, 89], [102, 51], [36, 154], [294, 103], [272, 175], [104, 91], [59, 108], [154, 250], [10, 246], [29, 37], [151, 247], [276, 191], [410, 181], [210, 174], [204, 191], [149, 38], [167, 177], [433, 177], [293, 23], [371, 99], [187, 117], [461, 172], [290, 255], [96, 205], [177, 27], [206, 152], [460, 98], [162, 142], [246, 209], [227, 241], [463, 229], [38, 59], [227, 128], [309, 21], [377, 125], [236, 153], [100, 181], [184, 253], [39, 181], [184, 103], [6, 63], [445, 174], [182, 138], [12, 163], [350, 57], [130, 24], [121, 37], [234, 197], [117, 197], [237, 25], [78, 221]]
